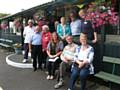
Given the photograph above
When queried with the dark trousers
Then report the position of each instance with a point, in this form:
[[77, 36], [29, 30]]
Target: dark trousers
[[44, 58], [83, 73], [37, 56], [52, 66], [26, 48]]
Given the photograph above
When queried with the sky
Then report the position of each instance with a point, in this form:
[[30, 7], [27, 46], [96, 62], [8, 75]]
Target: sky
[[14, 6]]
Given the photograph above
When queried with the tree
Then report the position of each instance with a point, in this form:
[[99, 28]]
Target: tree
[[3, 15]]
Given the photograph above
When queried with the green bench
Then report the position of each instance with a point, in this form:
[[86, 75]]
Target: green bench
[[111, 77], [6, 43]]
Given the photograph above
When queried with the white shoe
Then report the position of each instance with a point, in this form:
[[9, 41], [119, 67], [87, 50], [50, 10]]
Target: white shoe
[[48, 77], [24, 61], [23, 52], [32, 60], [58, 85], [51, 77]]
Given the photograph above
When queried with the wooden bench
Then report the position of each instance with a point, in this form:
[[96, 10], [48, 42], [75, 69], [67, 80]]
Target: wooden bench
[[6, 43], [111, 77]]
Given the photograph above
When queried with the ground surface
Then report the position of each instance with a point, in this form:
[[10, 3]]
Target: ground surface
[[12, 78]]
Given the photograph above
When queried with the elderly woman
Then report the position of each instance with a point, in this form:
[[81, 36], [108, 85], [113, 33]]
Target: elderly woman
[[63, 29], [83, 63], [46, 36], [54, 50]]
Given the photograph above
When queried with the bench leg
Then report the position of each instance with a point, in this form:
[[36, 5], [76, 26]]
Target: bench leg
[[110, 85]]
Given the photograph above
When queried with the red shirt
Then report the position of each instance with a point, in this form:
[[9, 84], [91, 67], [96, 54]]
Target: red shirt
[[45, 40]]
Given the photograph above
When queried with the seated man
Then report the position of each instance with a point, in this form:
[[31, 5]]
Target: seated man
[[67, 58]]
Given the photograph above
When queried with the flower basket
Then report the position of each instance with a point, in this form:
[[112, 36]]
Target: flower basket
[[17, 48]]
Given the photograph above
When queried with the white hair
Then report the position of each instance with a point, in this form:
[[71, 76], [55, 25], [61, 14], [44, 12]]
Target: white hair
[[30, 20], [45, 27]]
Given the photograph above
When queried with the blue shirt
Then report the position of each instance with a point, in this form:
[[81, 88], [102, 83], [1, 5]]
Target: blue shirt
[[36, 38], [76, 27], [63, 30]]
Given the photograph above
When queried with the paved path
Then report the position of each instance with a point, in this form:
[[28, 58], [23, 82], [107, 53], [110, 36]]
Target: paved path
[[12, 78]]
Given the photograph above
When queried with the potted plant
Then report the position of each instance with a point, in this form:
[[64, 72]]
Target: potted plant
[[17, 48]]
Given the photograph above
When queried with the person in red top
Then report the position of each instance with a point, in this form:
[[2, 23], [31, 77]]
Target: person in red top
[[46, 36]]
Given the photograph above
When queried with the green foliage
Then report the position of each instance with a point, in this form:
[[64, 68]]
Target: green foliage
[[3, 15]]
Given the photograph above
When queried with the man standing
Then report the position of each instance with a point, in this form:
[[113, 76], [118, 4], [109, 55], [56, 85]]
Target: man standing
[[35, 48], [28, 31], [75, 26]]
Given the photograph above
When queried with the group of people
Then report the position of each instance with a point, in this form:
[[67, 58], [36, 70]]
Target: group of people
[[69, 47]]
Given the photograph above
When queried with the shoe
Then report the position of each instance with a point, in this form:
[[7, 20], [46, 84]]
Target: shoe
[[51, 77], [58, 85], [40, 67], [24, 61], [32, 60], [35, 69], [69, 89], [48, 77]]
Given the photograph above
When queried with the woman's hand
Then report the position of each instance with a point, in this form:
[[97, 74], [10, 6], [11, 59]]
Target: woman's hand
[[51, 56], [94, 41], [81, 64]]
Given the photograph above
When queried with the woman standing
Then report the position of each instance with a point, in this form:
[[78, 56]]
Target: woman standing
[[63, 29], [54, 50], [46, 35], [83, 63]]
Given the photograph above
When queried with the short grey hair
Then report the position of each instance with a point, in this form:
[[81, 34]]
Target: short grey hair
[[30, 20], [45, 27]]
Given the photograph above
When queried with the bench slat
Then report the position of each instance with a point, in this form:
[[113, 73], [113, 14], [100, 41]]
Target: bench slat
[[109, 77], [10, 41], [4, 45], [111, 60], [1, 39], [117, 61]]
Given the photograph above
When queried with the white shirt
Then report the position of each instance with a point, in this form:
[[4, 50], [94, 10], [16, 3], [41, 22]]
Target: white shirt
[[86, 54], [69, 51], [28, 31], [76, 27]]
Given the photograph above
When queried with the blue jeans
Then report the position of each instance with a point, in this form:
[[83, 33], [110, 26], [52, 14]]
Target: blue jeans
[[83, 73]]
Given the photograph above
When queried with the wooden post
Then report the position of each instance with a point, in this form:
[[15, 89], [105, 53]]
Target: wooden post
[[102, 46]]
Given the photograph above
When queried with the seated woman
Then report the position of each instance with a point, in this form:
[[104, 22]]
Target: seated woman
[[82, 63], [54, 49]]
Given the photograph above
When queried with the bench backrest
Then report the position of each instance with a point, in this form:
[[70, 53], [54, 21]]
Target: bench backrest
[[6, 41], [2, 39], [9, 41], [113, 61]]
